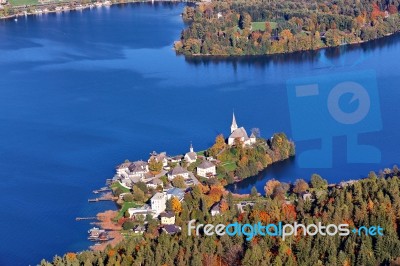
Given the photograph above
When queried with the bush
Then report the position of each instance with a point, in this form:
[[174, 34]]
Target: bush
[[128, 225]]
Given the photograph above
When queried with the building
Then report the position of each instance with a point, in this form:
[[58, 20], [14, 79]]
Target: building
[[216, 209], [206, 169], [307, 196], [123, 169], [154, 183], [167, 218], [142, 212], [158, 203], [131, 172], [175, 192], [241, 206], [159, 157], [178, 170], [190, 156], [171, 229], [175, 159], [137, 170], [240, 133], [139, 229]]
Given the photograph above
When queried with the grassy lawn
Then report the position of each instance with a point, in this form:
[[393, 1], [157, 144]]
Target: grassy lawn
[[201, 153], [125, 207], [229, 166], [23, 2], [261, 25], [118, 185]]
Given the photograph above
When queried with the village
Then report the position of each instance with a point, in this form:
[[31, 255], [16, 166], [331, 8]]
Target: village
[[166, 178]]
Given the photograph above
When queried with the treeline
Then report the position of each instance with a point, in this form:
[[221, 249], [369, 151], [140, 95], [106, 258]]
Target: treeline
[[279, 26], [243, 161], [372, 201]]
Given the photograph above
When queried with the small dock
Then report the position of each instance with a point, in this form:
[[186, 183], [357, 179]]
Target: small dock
[[85, 218], [103, 189], [105, 197]]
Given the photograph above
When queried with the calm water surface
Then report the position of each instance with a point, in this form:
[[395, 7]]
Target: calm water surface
[[80, 92]]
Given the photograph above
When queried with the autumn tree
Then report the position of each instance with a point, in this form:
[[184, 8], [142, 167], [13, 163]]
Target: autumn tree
[[245, 21], [218, 146], [270, 186], [179, 182], [300, 186], [138, 194], [176, 205], [155, 166], [318, 182]]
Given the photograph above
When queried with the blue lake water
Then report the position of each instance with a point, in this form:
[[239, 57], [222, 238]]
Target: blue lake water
[[80, 92]]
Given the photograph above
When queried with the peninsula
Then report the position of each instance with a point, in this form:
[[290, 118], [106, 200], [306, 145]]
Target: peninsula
[[146, 189], [256, 27]]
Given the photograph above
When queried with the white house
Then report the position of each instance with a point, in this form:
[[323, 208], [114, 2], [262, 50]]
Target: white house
[[190, 156], [178, 170], [158, 203], [123, 169], [240, 133], [206, 169], [137, 170], [141, 212], [167, 218]]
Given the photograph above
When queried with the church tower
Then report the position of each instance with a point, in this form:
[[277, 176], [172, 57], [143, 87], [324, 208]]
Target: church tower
[[191, 147], [234, 125]]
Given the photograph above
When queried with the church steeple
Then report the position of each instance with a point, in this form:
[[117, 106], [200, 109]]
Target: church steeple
[[234, 125], [191, 147]]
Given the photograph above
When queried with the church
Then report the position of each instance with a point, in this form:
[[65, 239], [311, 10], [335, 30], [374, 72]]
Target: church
[[240, 133]]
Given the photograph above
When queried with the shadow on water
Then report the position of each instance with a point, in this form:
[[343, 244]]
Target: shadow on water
[[279, 171]]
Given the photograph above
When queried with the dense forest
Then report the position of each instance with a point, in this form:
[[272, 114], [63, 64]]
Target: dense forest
[[257, 27], [371, 201]]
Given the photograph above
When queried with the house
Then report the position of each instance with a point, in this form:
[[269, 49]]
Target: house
[[154, 183], [175, 159], [307, 196], [206, 169], [137, 170], [158, 203], [178, 170], [190, 156], [167, 218], [123, 169], [139, 229], [159, 157], [240, 133], [142, 212], [216, 209], [171, 229], [175, 192], [242, 205]]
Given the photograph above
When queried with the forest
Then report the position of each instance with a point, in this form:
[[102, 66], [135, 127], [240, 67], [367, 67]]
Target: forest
[[374, 200], [258, 27], [239, 161]]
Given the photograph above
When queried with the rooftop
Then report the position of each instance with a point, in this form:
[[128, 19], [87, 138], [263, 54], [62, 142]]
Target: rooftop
[[205, 165]]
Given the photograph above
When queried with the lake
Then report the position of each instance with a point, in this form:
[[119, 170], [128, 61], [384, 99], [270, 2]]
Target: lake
[[82, 91]]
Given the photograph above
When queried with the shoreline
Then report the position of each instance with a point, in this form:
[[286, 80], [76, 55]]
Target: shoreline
[[225, 56], [64, 7]]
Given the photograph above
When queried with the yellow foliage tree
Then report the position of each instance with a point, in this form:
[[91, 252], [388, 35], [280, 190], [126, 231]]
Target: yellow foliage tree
[[176, 205]]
